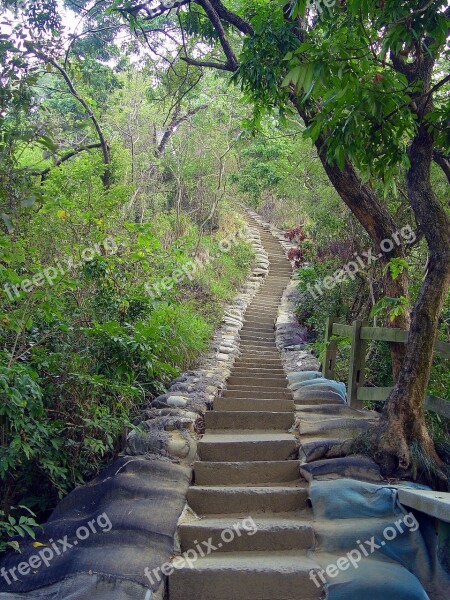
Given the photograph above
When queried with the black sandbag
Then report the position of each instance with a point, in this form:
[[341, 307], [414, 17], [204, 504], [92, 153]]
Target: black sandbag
[[133, 505]]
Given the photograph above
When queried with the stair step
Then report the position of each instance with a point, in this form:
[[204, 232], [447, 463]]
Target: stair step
[[246, 500], [248, 331], [257, 358], [262, 420], [259, 320], [258, 337], [248, 472], [262, 372], [268, 393], [247, 576], [254, 381], [256, 345], [262, 534], [253, 404], [265, 301], [248, 446], [246, 363], [262, 389]]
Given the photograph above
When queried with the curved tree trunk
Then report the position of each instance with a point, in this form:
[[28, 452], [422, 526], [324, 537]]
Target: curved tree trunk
[[404, 416], [379, 225]]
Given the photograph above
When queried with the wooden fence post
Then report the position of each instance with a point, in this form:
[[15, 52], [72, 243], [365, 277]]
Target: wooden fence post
[[357, 366], [329, 362]]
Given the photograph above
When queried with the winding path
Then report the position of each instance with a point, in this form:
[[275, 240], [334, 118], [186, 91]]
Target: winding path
[[247, 469]]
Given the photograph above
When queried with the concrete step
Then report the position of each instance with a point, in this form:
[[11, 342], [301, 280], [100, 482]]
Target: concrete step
[[254, 384], [264, 387], [247, 363], [262, 534], [262, 372], [256, 381], [262, 420], [246, 500], [258, 313], [257, 355], [247, 446], [258, 337], [256, 348], [252, 331], [258, 327], [259, 359], [257, 393], [253, 404], [247, 472], [246, 576], [260, 306], [257, 345], [265, 303], [260, 321]]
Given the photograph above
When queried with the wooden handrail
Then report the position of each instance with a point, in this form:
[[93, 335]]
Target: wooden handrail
[[387, 334], [360, 334]]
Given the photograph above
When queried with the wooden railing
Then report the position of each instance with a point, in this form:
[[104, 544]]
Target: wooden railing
[[360, 335]]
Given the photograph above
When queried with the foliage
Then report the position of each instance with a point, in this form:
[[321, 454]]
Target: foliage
[[84, 344], [19, 525]]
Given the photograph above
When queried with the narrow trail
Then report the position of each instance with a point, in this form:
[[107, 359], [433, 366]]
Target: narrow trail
[[247, 468]]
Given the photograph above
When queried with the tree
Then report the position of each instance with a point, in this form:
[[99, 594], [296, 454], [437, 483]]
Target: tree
[[365, 78]]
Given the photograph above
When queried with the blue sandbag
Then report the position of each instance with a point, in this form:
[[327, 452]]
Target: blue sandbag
[[376, 580], [303, 376], [402, 565], [319, 384]]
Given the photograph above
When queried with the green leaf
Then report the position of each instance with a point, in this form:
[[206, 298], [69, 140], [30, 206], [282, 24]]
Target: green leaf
[[293, 75]]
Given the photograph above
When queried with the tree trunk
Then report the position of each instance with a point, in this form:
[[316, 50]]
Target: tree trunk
[[404, 416], [380, 226], [376, 221]]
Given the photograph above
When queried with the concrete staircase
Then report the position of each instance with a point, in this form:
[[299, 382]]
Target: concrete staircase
[[248, 470]]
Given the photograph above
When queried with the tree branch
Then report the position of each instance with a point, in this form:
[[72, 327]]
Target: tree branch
[[84, 104], [62, 159], [217, 24], [210, 64], [176, 121], [443, 161], [232, 18]]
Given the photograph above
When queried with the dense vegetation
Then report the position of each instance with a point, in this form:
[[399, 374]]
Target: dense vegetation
[[124, 156], [108, 289]]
